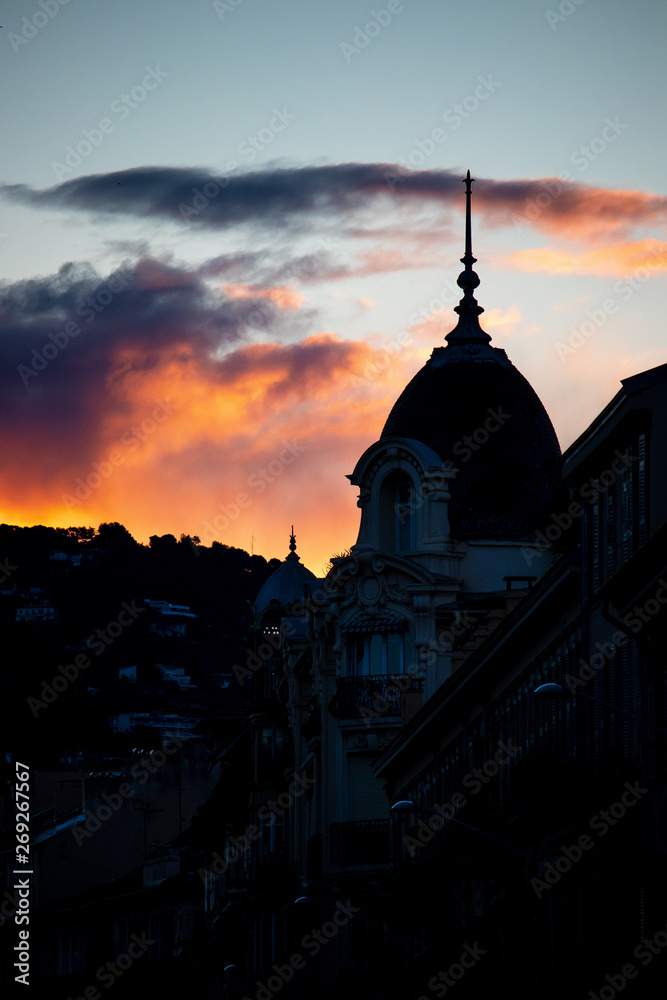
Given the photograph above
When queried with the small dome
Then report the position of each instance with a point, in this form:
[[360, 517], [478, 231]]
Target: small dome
[[284, 588]]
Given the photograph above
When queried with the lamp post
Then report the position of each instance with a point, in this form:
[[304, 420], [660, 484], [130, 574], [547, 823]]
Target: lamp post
[[553, 690], [406, 805]]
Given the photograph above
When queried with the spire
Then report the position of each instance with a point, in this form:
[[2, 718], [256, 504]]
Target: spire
[[292, 546], [468, 330]]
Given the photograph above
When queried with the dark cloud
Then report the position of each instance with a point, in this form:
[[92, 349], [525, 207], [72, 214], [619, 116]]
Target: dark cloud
[[201, 197], [68, 339], [281, 198]]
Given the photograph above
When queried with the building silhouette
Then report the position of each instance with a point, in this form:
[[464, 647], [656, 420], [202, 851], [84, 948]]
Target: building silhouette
[[490, 835], [443, 766]]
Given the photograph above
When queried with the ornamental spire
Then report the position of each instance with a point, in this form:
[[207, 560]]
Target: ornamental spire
[[292, 546], [468, 330]]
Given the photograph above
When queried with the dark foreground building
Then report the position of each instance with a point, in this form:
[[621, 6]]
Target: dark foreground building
[[450, 773], [458, 750]]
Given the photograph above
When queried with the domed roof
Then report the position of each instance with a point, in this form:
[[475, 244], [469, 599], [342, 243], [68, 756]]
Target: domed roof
[[477, 411], [284, 586]]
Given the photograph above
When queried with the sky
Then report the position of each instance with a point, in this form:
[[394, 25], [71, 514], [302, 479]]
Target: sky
[[230, 234]]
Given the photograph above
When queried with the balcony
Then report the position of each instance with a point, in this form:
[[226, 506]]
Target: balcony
[[360, 842], [377, 694]]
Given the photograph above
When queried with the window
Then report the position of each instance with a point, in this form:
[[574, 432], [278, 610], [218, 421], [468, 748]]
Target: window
[[272, 836], [399, 501], [379, 653], [265, 952]]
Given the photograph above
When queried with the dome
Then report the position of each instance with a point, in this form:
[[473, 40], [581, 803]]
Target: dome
[[478, 413], [284, 588]]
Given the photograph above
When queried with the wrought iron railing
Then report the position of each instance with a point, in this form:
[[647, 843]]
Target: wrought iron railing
[[360, 842], [379, 694]]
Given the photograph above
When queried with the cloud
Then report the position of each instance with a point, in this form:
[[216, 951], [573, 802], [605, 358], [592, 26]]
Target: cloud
[[618, 260], [161, 408], [282, 296], [501, 322], [78, 349], [300, 197]]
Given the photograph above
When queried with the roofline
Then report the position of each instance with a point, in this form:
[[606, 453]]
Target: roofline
[[629, 387], [491, 647]]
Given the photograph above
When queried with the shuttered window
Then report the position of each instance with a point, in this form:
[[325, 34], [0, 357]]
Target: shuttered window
[[611, 533], [628, 541], [641, 489], [367, 798], [595, 541]]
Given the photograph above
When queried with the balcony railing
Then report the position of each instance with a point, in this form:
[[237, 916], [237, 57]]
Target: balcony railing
[[360, 842], [376, 693]]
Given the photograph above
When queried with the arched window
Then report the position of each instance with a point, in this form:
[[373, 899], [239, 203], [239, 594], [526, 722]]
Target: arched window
[[397, 512]]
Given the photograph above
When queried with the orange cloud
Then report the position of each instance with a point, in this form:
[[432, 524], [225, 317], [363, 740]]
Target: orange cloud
[[282, 296], [501, 323], [617, 260], [222, 449], [570, 209]]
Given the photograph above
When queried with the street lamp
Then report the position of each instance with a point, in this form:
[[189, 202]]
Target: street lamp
[[406, 805], [552, 690]]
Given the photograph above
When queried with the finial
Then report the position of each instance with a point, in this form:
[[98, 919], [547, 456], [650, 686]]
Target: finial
[[292, 541], [468, 330], [468, 180]]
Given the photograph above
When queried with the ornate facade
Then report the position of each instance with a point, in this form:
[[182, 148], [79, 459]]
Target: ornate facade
[[482, 571]]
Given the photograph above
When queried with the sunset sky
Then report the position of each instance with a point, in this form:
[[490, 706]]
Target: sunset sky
[[231, 233]]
